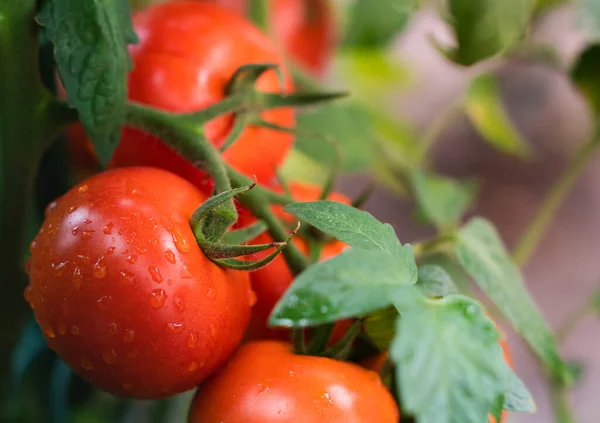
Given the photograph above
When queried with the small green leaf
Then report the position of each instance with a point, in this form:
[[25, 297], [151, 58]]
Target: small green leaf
[[356, 228], [346, 125], [434, 281], [375, 23], [380, 327], [90, 40], [443, 200], [485, 28], [449, 362], [517, 397], [486, 111], [353, 283], [482, 254], [585, 75]]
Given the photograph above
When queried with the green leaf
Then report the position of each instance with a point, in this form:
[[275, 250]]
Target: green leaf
[[543, 5], [434, 281], [482, 254], [60, 378], [345, 125], [449, 362], [485, 28], [353, 283], [590, 17], [484, 107], [90, 40], [380, 327], [448, 263], [299, 167], [30, 345], [585, 76], [443, 200], [517, 397], [375, 23], [356, 228]]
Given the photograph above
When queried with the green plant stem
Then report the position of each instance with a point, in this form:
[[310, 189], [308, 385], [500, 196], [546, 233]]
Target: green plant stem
[[562, 410], [440, 124], [259, 14], [555, 198]]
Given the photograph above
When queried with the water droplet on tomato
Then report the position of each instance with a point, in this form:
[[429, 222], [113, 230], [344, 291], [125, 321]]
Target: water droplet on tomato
[[33, 245], [83, 259], [75, 230], [263, 388], [87, 221], [192, 340], [158, 297], [179, 304], [109, 356], [76, 278], [180, 241], [213, 330], [194, 366], [141, 249], [75, 331], [87, 235], [327, 398], [112, 328], [110, 250], [174, 327], [127, 277], [72, 208], [86, 364], [28, 294], [252, 298], [185, 273], [59, 267], [155, 273], [52, 230], [170, 256], [62, 329], [49, 208], [49, 331], [170, 282], [153, 241], [99, 269], [129, 335], [108, 228], [82, 189], [104, 302], [131, 259]]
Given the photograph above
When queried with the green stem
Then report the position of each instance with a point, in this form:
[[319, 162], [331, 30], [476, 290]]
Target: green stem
[[555, 198], [440, 124], [562, 409], [259, 14]]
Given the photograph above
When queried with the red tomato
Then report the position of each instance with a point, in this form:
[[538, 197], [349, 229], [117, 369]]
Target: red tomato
[[303, 28], [188, 52], [266, 382], [122, 291]]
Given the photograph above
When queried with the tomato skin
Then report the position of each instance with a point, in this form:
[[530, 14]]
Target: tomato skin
[[305, 29], [122, 291], [266, 382]]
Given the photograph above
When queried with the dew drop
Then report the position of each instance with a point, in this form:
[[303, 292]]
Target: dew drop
[[76, 278], [194, 366], [75, 331], [52, 230], [82, 189], [33, 245], [28, 294], [86, 364], [108, 228], [87, 221], [103, 302], [141, 249], [129, 335], [112, 328], [213, 330], [99, 269], [179, 304], [86, 235], [192, 340], [185, 273], [62, 329], [155, 273], [109, 356], [327, 398], [158, 297], [84, 259], [72, 208], [49, 331], [126, 277], [252, 298], [174, 327], [180, 241], [128, 386], [59, 267], [170, 256], [110, 250], [75, 230], [50, 208], [131, 259], [153, 241], [170, 282]]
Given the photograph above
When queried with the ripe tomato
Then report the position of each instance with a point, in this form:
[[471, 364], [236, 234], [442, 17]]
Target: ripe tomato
[[266, 382], [271, 282], [122, 291], [188, 52], [303, 28]]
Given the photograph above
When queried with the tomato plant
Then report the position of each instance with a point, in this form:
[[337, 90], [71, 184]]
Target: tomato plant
[[269, 382]]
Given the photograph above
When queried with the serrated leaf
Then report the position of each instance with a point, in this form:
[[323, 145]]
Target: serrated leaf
[[449, 362], [90, 40], [357, 228], [482, 254], [434, 281], [380, 327], [484, 107], [443, 200], [517, 397], [485, 28], [346, 125], [354, 283], [30, 345], [585, 75], [375, 23]]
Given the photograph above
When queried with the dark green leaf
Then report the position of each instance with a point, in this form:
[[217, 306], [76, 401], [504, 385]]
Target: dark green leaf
[[585, 75], [434, 281], [443, 200], [449, 362], [344, 124], [486, 111], [356, 228], [482, 254], [375, 23], [31, 344], [485, 28], [517, 397], [380, 326], [354, 283], [90, 40], [60, 379]]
